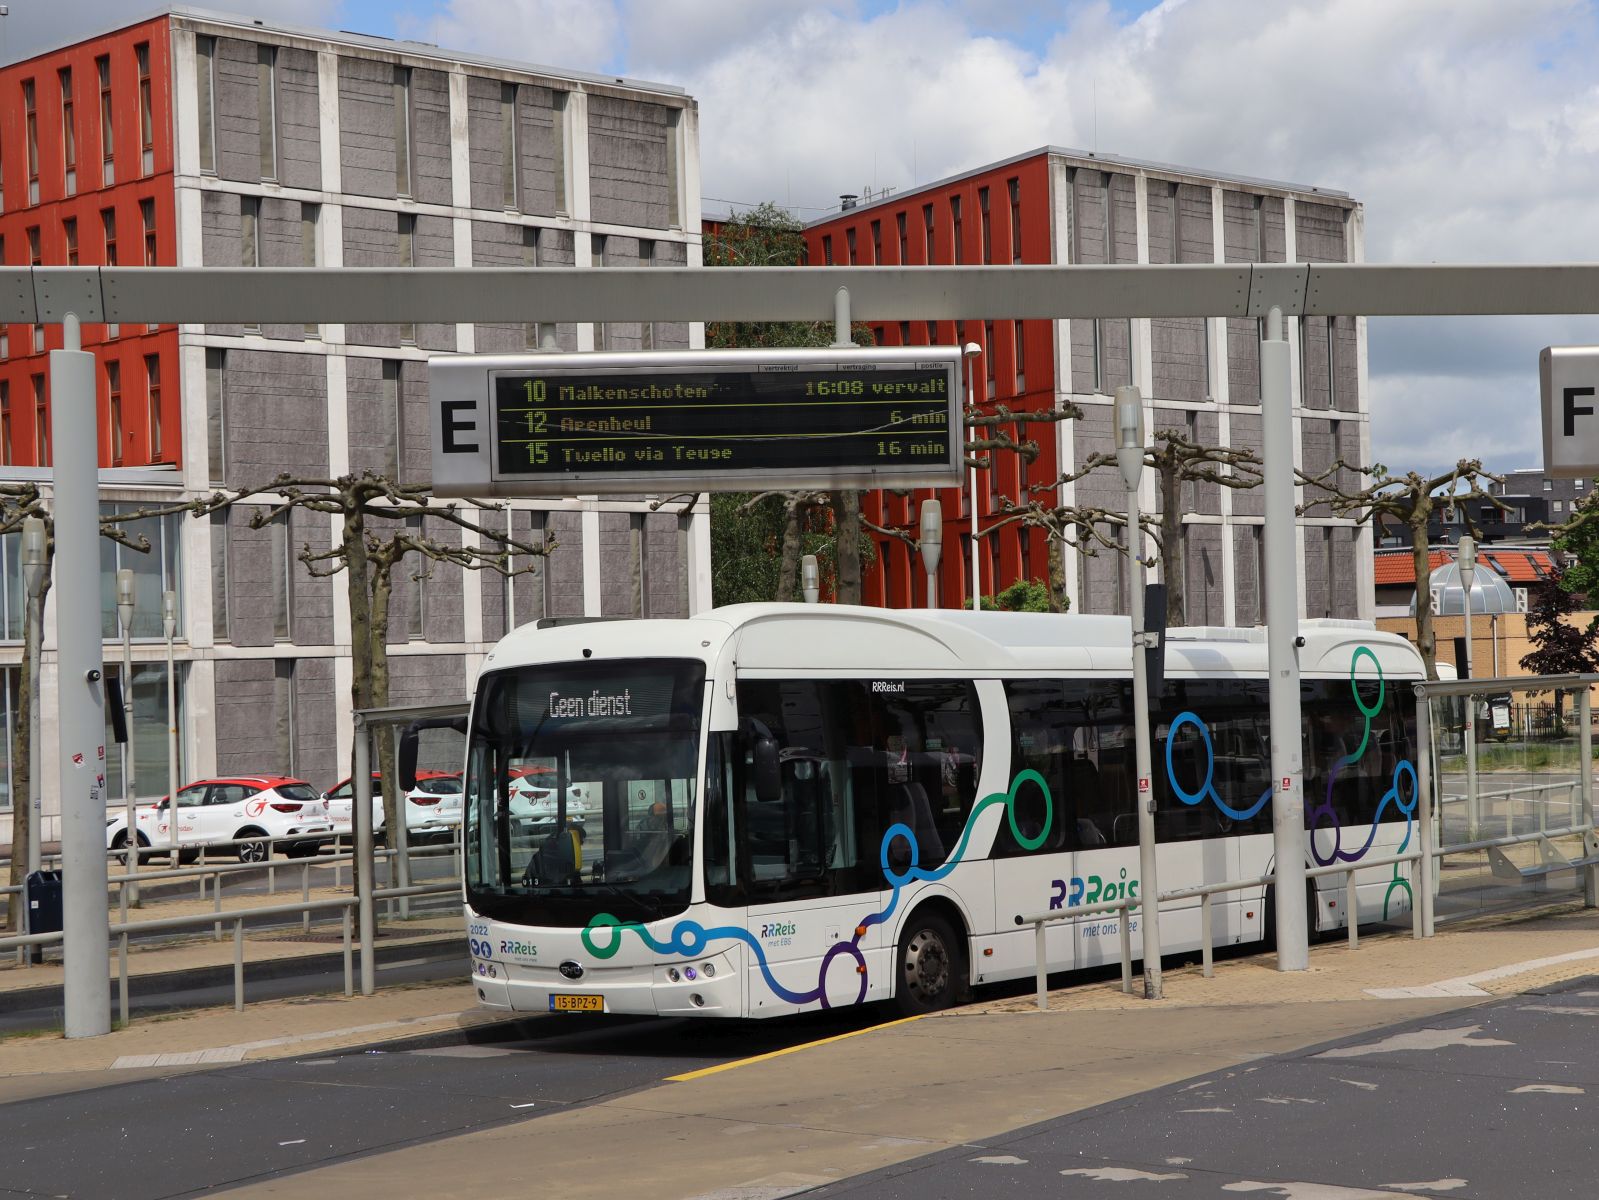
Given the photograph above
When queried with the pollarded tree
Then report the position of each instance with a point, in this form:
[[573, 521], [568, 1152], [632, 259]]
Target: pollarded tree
[[1177, 459], [18, 502], [381, 526], [1410, 499]]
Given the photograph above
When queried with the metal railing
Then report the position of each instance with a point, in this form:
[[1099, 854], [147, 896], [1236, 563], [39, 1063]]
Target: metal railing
[[123, 930], [1206, 895], [1039, 921]]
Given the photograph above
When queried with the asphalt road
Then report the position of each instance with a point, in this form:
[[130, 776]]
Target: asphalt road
[[1490, 1102], [189, 1132]]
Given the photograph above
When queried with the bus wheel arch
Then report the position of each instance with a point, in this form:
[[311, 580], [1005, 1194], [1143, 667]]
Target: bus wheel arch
[[932, 962]]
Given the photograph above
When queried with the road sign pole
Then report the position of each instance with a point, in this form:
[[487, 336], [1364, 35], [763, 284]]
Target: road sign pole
[[1282, 655], [81, 702]]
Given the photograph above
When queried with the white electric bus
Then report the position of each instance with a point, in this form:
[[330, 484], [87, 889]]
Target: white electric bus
[[769, 808]]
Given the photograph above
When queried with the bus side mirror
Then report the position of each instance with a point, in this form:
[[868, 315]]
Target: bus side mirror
[[768, 774]]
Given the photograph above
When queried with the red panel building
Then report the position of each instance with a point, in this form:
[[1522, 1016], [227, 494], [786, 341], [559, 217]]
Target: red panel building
[[1198, 376], [999, 214], [86, 179]]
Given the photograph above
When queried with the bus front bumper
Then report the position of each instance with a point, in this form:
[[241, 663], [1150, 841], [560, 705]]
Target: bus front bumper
[[707, 986]]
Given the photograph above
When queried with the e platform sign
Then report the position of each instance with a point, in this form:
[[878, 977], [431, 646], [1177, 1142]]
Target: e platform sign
[[1569, 376], [695, 420]]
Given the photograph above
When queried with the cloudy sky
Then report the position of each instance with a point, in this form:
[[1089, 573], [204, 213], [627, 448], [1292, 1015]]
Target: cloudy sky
[[1469, 128]]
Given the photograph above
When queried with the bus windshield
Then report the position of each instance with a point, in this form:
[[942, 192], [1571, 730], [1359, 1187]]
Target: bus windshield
[[580, 790]]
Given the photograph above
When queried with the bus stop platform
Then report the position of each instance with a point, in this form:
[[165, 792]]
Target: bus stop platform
[[820, 1113]]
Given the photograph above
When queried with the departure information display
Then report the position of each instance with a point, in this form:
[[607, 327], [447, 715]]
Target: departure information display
[[727, 421]]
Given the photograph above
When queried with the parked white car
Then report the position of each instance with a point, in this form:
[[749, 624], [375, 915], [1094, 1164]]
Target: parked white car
[[533, 801], [248, 809], [432, 808]]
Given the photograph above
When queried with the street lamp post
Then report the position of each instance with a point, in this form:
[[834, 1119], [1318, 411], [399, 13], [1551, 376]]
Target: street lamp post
[[169, 625], [932, 546], [1130, 459], [1466, 563], [34, 571], [125, 609]]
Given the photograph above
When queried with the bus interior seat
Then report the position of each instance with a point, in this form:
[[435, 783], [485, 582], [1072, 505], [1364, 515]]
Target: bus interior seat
[[908, 805]]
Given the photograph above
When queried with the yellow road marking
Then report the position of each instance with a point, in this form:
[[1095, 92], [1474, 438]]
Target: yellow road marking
[[770, 1054]]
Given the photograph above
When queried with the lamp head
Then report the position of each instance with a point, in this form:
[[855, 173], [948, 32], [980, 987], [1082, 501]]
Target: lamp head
[[932, 534], [1130, 434], [810, 579]]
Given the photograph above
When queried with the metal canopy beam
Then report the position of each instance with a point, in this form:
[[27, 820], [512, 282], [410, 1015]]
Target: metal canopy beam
[[296, 295]]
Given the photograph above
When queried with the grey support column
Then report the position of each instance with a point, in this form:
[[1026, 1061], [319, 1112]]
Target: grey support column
[[87, 984], [1282, 655]]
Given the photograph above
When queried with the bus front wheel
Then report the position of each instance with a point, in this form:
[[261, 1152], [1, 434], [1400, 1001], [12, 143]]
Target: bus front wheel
[[930, 969]]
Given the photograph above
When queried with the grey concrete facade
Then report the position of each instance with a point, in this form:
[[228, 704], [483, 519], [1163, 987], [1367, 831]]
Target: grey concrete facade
[[1203, 376], [338, 150], [392, 154]]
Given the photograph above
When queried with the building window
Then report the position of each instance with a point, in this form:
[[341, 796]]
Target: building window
[[1014, 186], [988, 358], [283, 713], [827, 249], [987, 225], [219, 569], [406, 234], [266, 108], [41, 424], [402, 131], [877, 242], [927, 233], [147, 216], [509, 157], [849, 240], [114, 426], [146, 116], [282, 577], [532, 331], [310, 216], [31, 121], [392, 419], [1548, 485], [646, 258], [674, 187], [205, 56], [904, 333], [416, 594], [558, 150], [597, 259], [1580, 484], [904, 241], [69, 133], [250, 241], [154, 572], [6, 454], [69, 231], [108, 227], [216, 421], [152, 391], [102, 68], [1021, 357], [955, 222], [36, 258]]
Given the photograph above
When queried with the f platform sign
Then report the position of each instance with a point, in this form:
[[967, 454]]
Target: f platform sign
[[1569, 376]]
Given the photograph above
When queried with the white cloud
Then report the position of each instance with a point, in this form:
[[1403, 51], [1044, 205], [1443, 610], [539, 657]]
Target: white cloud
[[575, 34]]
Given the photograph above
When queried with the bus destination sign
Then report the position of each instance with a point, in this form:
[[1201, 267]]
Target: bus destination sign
[[564, 424]]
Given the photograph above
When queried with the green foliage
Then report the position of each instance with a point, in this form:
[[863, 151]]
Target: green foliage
[[1025, 595], [745, 548], [765, 236], [1560, 648], [1578, 542]]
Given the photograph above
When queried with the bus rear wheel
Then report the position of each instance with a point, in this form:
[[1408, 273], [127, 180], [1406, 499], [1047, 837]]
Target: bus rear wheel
[[929, 968]]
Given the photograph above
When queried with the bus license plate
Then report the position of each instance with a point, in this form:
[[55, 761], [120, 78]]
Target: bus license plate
[[570, 1003]]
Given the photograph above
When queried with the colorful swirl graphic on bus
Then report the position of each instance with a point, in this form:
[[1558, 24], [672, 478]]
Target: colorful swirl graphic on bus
[[1324, 815], [690, 939]]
